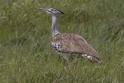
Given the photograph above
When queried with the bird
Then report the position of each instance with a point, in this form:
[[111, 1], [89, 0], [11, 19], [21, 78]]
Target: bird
[[69, 43]]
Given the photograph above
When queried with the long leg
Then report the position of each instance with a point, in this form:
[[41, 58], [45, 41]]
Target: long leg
[[70, 61], [66, 61]]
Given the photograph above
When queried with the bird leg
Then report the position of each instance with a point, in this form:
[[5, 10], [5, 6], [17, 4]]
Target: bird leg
[[70, 62], [66, 62]]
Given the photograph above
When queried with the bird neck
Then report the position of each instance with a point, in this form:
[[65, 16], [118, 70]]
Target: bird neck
[[54, 26]]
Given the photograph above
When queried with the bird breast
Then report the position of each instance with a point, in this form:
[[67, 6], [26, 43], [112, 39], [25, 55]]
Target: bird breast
[[57, 45]]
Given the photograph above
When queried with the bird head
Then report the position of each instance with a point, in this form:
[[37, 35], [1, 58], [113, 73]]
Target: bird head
[[52, 11]]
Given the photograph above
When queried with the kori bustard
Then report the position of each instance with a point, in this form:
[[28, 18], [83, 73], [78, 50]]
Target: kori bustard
[[69, 42]]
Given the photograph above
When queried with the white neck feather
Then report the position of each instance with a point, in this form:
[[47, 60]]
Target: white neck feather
[[54, 26]]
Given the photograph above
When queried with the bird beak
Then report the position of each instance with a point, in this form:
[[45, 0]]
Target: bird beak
[[42, 9]]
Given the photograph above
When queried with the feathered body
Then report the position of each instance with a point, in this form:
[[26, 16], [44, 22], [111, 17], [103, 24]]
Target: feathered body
[[74, 44], [69, 42]]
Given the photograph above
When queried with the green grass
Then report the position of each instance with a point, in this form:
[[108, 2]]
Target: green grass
[[26, 55]]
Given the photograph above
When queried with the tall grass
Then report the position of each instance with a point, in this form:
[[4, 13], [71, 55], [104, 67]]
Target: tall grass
[[26, 55]]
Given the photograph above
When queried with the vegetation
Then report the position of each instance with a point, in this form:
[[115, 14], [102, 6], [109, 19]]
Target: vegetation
[[26, 55]]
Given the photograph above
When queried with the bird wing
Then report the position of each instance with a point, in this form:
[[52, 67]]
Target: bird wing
[[73, 43]]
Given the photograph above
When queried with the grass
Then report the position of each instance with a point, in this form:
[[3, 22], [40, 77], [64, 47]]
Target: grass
[[26, 55]]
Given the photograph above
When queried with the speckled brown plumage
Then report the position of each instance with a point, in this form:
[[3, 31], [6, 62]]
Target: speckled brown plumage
[[73, 43]]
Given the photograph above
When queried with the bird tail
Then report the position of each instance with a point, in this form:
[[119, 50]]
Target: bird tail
[[93, 59]]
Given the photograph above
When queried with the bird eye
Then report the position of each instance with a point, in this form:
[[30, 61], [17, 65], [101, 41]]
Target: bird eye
[[52, 9]]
